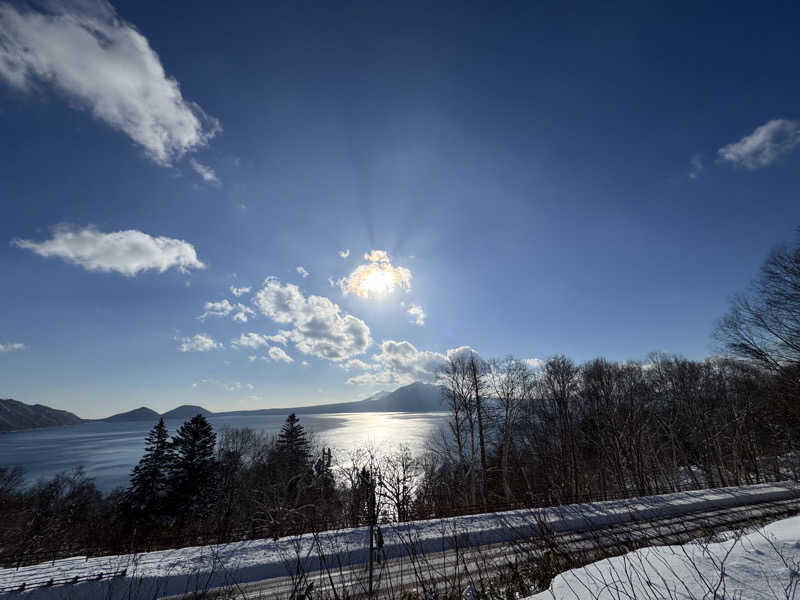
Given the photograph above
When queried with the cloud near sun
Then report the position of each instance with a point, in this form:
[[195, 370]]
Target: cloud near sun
[[375, 278]]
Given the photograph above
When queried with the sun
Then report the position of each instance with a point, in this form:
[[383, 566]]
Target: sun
[[377, 282], [376, 278]]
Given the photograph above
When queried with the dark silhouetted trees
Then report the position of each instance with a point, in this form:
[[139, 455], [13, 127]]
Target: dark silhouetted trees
[[148, 490]]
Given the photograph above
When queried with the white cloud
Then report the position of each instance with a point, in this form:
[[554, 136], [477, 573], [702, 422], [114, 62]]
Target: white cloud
[[199, 342], [302, 272], [240, 291], [100, 62], [275, 354], [357, 363], [251, 340], [377, 277], [243, 313], [223, 308], [233, 386], [319, 328], [416, 311], [278, 354], [401, 363], [695, 166], [282, 337], [206, 172], [534, 363], [764, 146], [11, 347], [128, 252], [216, 309], [344, 253]]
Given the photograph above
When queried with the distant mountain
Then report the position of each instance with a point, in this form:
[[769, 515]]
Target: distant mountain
[[16, 415], [138, 414], [416, 397], [186, 411]]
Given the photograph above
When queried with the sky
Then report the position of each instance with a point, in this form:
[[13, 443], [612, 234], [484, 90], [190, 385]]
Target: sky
[[276, 204]]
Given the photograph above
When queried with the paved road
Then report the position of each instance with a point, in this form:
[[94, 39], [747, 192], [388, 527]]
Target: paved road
[[455, 569]]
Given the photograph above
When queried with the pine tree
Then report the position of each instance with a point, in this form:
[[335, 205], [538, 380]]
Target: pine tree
[[149, 478], [323, 474], [290, 461], [292, 443], [193, 467]]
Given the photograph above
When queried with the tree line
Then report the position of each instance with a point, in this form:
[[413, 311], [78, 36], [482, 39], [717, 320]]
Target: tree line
[[560, 431], [200, 486]]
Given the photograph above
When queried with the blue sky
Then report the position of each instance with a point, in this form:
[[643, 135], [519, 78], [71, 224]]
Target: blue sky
[[538, 178]]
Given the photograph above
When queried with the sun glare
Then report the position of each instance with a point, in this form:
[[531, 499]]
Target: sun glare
[[377, 283], [377, 278]]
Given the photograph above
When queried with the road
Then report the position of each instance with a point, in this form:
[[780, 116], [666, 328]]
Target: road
[[455, 569]]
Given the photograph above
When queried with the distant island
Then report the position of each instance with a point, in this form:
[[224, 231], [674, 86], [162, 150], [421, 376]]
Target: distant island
[[412, 398]]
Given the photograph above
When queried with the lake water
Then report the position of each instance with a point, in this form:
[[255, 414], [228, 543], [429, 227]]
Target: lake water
[[108, 451]]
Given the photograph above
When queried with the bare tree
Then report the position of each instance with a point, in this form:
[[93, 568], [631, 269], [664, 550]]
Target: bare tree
[[399, 476], [477, 376], [763, 324], [511, 384]]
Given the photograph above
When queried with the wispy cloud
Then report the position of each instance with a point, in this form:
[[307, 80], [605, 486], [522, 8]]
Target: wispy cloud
[[764, 146], [84, 50], [302, 272], [206, 172], [416, 311], [222, 308], [11, 347], [240, 291], [232, 386], [695, 166], [128, 252], [344, 253]]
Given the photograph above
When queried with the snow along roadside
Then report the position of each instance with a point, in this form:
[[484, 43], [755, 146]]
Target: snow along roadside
[[183, 570], [764, 565]]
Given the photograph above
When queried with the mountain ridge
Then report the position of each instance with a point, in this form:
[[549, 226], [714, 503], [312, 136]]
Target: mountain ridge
[[414, 397], [18, 416]]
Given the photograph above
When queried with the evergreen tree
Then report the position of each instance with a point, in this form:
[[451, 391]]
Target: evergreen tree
[[323, 474], [290, 461], [149, 478], [292, 444], [193, 467]]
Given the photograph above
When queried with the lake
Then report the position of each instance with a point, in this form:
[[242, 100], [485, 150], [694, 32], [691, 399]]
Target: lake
[[108, 451]]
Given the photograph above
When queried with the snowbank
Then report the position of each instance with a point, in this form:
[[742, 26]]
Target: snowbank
[[154, 574], [764, 565]]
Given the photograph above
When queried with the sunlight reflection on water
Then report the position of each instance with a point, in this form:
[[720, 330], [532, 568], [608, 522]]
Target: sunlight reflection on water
[[108, 451]]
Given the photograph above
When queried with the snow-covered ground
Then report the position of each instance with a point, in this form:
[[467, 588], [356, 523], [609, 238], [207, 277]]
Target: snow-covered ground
[[764, 565], [154, 574]]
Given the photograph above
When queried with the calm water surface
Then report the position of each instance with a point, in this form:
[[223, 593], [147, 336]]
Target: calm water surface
[[108, 451]]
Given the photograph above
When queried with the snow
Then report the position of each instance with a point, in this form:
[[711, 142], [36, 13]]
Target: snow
[[155, 574], [758, 566]]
